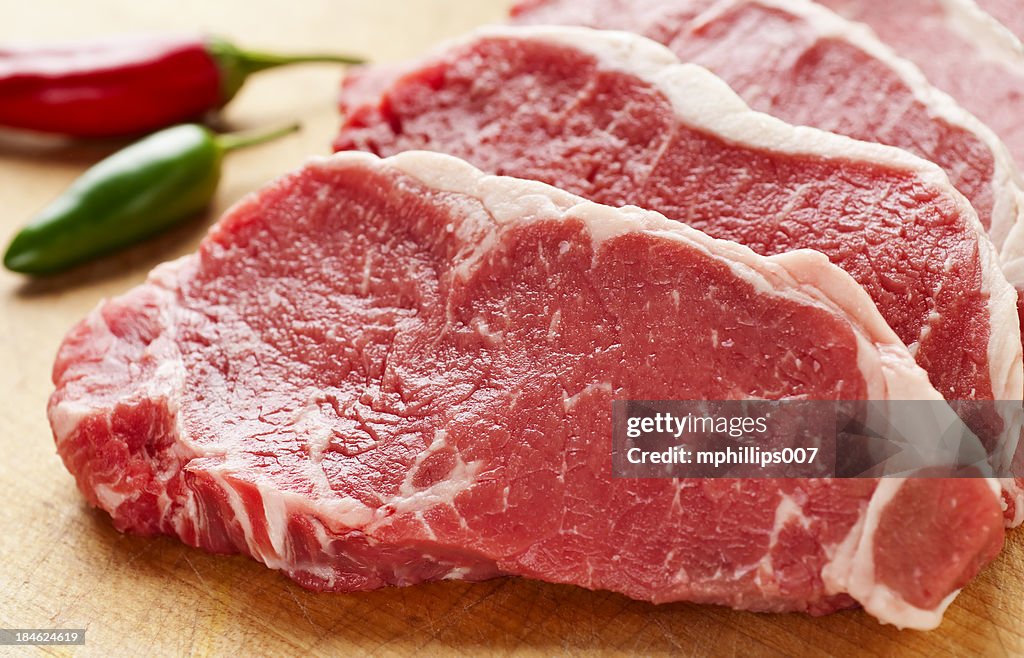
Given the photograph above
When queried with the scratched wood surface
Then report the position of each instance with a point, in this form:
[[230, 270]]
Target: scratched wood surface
[[63, 565]]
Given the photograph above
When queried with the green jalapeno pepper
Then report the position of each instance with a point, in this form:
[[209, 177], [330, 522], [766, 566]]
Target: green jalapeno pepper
[[135, 193]]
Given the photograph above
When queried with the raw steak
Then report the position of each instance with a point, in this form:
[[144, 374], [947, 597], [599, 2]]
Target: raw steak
[[805, 65], [962, 50], [384, 372], [615, 118]]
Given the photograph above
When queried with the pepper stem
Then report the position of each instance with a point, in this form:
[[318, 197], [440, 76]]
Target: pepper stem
[[236, 64], [256, 60], [234, 141]]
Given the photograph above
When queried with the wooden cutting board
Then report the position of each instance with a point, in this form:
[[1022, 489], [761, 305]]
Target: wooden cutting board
[[63, 565]]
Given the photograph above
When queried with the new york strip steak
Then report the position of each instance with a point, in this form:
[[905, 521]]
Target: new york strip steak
[[382, 372]]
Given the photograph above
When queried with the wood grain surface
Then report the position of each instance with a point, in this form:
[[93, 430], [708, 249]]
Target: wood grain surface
[[63, 565]]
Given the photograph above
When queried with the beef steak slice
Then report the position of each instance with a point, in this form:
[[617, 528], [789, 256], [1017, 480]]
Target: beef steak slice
[[381, 372]]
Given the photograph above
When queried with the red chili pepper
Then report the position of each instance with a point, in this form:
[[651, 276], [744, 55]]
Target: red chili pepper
[[128, 85]]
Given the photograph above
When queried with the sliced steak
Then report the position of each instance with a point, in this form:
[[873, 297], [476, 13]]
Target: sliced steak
[[804, 64], [962, 50], [614, 117], [385, 372]]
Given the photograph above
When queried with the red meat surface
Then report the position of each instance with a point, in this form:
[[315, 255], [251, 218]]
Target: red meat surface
[[615, 118], [384, 372]]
